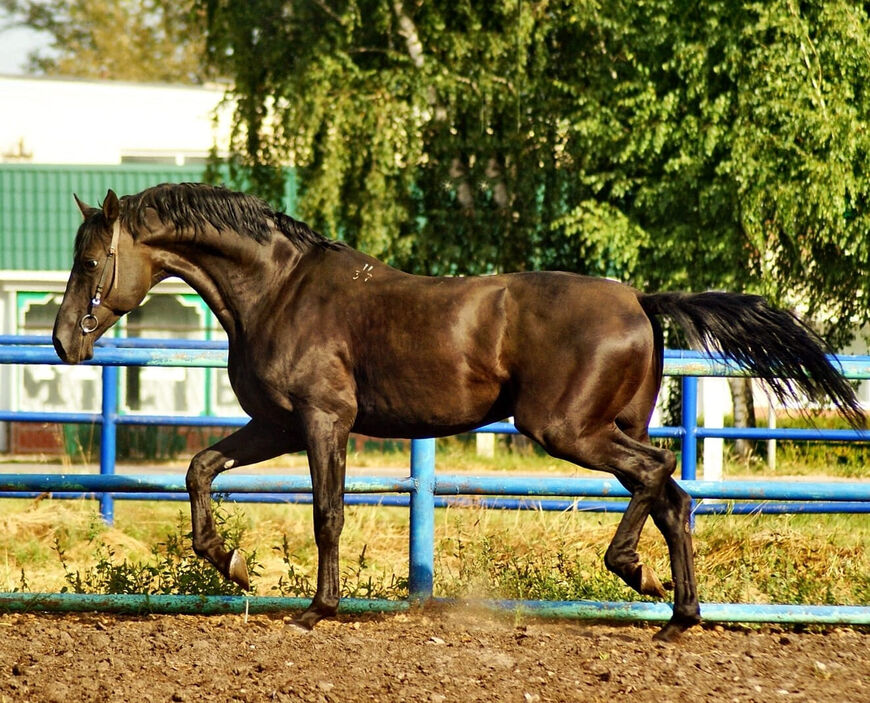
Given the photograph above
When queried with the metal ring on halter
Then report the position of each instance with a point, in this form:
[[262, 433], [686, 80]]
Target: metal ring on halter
[[89, 323]]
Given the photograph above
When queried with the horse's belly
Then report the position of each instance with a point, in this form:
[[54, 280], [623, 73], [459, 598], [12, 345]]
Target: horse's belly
[[388, 427], [430, 409]]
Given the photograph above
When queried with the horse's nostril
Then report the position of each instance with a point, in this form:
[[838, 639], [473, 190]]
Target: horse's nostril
[[69, 346]]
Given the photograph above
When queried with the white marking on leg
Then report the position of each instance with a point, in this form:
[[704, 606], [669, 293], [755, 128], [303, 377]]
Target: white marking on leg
[[229, 463]]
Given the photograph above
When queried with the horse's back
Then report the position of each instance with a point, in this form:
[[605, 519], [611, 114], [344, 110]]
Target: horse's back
[[455, 352]]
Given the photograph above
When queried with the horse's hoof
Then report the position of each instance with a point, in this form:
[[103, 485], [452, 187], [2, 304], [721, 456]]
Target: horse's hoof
[[669, 633], [297, 625], [314, 614], [648, 583], [675, 627], [237, 571], [307, 620]]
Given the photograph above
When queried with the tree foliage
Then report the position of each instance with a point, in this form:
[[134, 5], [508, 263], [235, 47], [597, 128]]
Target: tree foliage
[[134, 40], [667, 143]]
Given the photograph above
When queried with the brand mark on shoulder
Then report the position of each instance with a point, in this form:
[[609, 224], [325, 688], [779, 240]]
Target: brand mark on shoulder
[[364, 274]]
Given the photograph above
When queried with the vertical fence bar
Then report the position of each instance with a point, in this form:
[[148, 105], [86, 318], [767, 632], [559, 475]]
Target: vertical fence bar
[[109, 437], [689, 420], [422, 531]]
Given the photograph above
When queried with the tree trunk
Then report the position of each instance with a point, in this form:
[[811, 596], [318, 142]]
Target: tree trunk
[[744, 413]]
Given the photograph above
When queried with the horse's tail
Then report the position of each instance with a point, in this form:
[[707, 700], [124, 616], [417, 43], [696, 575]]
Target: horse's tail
[[772, 343]]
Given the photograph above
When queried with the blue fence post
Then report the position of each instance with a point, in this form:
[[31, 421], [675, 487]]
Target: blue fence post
[[109, 437], [422, 531], [689, 421]]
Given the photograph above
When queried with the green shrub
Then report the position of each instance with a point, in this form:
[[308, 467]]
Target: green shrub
[[172, 569]]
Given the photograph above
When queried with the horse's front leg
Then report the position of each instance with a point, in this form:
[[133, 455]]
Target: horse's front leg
[[253, 443], [327, 454]]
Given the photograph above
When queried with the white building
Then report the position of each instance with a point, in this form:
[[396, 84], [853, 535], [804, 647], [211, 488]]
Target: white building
[[71, 121]]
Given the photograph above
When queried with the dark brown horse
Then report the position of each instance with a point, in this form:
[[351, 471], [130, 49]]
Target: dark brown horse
[[325, 340]]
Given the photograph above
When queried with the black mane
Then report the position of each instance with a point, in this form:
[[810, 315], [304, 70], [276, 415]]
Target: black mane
[[197, 205]]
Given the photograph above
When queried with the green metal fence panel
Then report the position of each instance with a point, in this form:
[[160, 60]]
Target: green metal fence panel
[[38, 216]]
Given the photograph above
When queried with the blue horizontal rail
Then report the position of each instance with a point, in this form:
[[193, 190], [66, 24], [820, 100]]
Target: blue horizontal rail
[[226, 483], [713, 507], [682, 362], [121, 356], [136, 604], [444, 485], [423, 490], [790, 433]]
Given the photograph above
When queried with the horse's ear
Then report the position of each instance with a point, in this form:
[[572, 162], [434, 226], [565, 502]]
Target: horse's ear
[[111, 206], [83, 207]]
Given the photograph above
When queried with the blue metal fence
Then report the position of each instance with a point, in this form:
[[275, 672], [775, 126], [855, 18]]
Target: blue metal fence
[[423, 489]]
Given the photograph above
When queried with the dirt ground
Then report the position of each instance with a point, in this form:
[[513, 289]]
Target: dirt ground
[[435, 655]]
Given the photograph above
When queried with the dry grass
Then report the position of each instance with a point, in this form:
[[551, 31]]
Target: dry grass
[[525, 554], [529, 554], [33, 532]]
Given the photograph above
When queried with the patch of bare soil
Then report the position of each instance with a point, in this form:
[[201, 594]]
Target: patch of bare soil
[[432, 655]]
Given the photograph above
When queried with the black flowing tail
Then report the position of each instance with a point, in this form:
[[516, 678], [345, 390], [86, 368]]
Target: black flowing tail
[[772, 343]]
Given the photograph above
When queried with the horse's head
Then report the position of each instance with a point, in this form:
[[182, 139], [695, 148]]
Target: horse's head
[[110, 276]]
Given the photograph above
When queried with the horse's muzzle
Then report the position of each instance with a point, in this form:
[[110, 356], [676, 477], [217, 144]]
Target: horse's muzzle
[[72, 345]]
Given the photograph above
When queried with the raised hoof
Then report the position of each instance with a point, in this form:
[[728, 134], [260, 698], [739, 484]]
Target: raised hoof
[[647, 583], [237, 571]]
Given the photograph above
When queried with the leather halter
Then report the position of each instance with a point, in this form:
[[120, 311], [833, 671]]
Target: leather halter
[[89, 321]]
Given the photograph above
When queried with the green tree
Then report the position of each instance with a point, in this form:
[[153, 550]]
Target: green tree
[[133, 40], [667, 143], [742, 149]]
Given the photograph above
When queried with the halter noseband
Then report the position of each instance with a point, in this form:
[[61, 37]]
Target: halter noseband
[[89, 321]]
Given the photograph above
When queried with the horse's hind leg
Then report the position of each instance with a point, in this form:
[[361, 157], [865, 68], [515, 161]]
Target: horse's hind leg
[[669, 506], [251, 444], [670, 512], [621, 557], [645, 470]]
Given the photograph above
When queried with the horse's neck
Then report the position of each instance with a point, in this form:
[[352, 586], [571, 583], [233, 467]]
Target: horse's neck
[[234, 275]]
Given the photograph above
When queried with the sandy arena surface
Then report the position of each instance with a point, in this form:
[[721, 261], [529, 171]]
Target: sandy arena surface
[[436, 655]]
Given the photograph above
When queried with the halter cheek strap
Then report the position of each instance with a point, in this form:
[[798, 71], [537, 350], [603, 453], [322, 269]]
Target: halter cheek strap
[[89, 321]]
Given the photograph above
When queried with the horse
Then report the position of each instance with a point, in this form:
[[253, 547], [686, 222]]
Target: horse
[[325, 340]]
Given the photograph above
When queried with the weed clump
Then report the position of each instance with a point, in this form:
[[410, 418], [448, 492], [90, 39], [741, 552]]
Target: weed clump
[[171, 569], [357, 581]]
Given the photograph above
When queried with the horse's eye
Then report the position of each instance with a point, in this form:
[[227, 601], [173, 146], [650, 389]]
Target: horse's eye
[[91, 264]]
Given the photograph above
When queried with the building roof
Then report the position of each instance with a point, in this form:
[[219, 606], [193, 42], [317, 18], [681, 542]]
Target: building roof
[[39, 218]]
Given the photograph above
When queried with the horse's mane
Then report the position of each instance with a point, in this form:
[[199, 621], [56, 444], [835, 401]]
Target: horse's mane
[[197, 205]]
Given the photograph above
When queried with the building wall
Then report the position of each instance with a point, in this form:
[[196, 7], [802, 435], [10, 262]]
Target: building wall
[[39, 217], [71, 121]]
